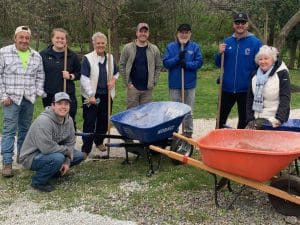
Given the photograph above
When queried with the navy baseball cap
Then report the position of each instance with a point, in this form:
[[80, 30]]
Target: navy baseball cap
[[240, 17]]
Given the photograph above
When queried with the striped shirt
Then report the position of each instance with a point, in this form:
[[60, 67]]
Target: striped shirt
[[15, 82]]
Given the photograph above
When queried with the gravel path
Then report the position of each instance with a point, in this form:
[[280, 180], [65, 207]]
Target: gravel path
[[25, 212]]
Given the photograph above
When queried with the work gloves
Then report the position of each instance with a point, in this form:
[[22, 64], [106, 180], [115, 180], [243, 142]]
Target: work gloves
[[182, 58]]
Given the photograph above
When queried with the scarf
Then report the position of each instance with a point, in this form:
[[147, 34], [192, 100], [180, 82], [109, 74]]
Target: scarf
[[261, 79]]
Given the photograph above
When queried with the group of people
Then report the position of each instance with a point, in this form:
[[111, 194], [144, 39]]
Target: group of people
[[254, 77], [47, 146]]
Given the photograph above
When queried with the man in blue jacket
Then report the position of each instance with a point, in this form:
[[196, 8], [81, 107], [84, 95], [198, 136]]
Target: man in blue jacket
[[239, 64], [183, 57]]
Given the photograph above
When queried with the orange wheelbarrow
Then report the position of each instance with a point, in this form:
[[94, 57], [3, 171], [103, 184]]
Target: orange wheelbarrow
[[253, 158]]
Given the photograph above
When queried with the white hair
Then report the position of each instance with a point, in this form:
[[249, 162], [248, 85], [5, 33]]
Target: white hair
[[267, 50], [99, 35]]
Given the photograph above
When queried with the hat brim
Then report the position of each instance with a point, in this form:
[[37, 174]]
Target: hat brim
[[144, 28], [179, 30], [69, 100], [240, 20]]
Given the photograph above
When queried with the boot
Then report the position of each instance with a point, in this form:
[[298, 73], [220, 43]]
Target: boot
[[7, 170]]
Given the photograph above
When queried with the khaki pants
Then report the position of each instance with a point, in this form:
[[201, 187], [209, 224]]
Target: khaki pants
[[136, 97]]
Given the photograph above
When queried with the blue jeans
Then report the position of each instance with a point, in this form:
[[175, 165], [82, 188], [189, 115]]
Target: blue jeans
[[47, 166], [16, 118], [189, 99]]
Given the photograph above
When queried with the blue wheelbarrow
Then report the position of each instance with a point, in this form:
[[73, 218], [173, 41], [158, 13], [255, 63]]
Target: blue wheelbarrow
[[149, 124]]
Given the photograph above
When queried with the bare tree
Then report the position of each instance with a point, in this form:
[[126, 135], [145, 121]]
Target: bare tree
[[280, 40]]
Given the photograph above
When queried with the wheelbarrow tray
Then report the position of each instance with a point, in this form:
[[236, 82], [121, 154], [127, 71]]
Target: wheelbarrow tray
[[290, 125], [253, 154], [151, 122]]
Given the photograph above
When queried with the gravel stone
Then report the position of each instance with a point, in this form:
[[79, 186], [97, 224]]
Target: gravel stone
[[258, 212]]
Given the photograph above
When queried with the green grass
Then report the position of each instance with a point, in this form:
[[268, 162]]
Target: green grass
[[205, 102], [174, 195], [119, 191]]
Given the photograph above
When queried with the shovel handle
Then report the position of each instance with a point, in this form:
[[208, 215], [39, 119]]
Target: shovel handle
[[220, 92], [65, 66]]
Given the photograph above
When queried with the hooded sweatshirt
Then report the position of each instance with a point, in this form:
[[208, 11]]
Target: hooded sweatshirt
[[48, 134], [239, 63]]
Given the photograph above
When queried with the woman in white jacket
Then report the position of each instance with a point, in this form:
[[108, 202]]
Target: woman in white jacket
[[96, 84], [269, 92]]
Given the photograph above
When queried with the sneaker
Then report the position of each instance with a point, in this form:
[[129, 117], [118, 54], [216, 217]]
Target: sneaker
[[101, 148], [43, 188], [7, 170]]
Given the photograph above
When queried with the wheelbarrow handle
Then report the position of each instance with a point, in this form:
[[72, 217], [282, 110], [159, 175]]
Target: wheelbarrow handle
[[188, 140], [83, 134], [251, 183]]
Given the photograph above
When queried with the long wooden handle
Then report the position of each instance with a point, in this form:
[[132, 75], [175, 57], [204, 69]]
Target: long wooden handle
[[182, 86], [257, 185], [220, 92], [109, 77], [65, 66], [188, 140]]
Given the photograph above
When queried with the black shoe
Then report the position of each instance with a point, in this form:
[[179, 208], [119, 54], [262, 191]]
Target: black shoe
[[43, 188]]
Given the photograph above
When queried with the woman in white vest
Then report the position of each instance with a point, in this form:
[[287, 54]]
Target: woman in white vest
[[99, 73]]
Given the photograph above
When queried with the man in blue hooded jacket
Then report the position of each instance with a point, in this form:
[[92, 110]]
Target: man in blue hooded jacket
[[183, 56], [239, 64]]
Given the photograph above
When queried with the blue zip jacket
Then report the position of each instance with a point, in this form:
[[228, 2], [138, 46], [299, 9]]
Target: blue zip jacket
[[193, 62], [239, 62]]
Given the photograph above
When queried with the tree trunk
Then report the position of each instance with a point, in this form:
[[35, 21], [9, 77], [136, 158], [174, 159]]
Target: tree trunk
[[115, 44], [286, 29], [298, 63], [292, 51], [90, 21]]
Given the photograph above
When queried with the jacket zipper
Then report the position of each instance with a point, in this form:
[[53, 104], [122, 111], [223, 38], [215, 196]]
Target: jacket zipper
[[235, 72]]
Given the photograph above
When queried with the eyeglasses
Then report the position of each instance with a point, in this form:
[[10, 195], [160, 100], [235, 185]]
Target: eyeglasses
[[242, 22]]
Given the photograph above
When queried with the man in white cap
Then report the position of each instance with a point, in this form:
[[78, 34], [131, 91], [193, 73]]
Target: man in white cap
[[140, 64], [21, 81], [49, 147]]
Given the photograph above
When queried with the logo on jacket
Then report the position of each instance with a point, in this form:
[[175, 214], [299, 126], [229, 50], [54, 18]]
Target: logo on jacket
[[247, 51]]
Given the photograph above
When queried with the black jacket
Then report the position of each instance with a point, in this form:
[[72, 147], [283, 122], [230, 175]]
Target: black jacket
[[53, 68]]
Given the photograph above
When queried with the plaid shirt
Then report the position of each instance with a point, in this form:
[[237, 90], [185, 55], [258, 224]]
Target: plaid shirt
[[17, 83]]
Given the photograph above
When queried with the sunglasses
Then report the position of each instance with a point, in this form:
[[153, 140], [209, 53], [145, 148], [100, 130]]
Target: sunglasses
[[243, 22]]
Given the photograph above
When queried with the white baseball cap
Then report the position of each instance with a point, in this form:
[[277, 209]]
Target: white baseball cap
[[23, 29]]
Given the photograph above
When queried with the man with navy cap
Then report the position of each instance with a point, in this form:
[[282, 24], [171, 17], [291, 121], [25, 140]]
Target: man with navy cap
[[49, 147], [21, 81], [183, 58], [239, 64]]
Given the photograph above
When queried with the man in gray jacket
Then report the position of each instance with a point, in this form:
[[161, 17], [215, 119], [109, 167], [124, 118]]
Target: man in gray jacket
[[48, 148], [140, 64]]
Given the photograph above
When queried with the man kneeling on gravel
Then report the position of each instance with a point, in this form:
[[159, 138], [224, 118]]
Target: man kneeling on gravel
[[48, 148]]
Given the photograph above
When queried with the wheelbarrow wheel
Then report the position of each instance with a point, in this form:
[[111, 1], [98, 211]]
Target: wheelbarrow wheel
[[290, 184], [181, 147]]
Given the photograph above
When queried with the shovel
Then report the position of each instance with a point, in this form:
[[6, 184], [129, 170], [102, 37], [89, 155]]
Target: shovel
[[220, 91]]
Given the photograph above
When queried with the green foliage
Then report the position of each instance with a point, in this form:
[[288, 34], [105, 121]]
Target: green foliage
[[205, 101], [208, 53]]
